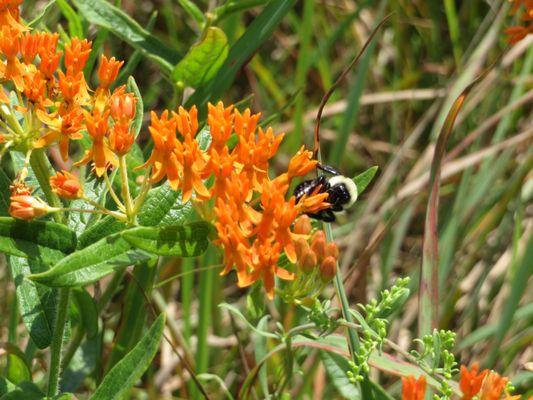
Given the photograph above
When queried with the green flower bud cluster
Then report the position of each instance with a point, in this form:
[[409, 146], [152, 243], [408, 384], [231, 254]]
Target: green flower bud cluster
[[436, 357], [375, 325]]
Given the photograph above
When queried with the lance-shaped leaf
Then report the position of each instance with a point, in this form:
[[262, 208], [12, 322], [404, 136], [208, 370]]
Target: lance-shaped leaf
[[92, 263], [40, 240], [104, 14], [4, 193], [36, 303], [130, 369], [188, 240], [363, 179], [203, 60]]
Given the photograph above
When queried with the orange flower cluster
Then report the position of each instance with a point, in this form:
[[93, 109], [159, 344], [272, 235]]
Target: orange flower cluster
[[517, 33], [251, 237], [56, 99], [486, 385]]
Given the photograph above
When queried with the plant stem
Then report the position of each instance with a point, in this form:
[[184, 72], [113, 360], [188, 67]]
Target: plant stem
[[57, 341], [126, 187], [40, 168], [112, 192]]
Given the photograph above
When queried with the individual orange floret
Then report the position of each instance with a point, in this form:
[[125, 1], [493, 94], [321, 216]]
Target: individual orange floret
[[163, 160], [413, 389], [27, 207], [9, 46], [77, 53], [493, 386], [35, 87], [302, 163], [66, 185], [29, 46], [265, 256], [61, 128], [73, 86], [471, 380], [220, 121], [121, 139], [108, 71], [100, 153]]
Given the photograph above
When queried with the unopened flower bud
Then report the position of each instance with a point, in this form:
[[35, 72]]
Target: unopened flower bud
[[308, 261], [328, 269], [318, 244], [27, 207], [302, 225], [332, 250], [66, 185], [301, 246], [122, 105]]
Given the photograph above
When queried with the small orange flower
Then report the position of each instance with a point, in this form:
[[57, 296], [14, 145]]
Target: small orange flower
[[66, 185], [108, 71], [413, 389], [163, 158], [76, 54], [302, 163], [73, 86], [27, 207], [265, 257], [220, 121], [34, 86], [493, 386], [29, 46], [328, 269], [121, 139], [9, 13], [9, 46], [470, 382], [100, 153], [62, 129]]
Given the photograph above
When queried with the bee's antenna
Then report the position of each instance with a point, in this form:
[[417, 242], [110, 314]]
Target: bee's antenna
[[338, 82]]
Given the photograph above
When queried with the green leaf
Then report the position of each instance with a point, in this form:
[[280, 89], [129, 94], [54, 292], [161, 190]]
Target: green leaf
[[203, 60], [13, 364], [5, 182], [132, 87], [40, 240], [25, 390], [36, 303], [74, 23], [363, 179], [87, 309], [255, 35], [104, 227], [5, 387], [102, 13], [161, 207], [188, 240], [41, 15], [92, 263], [82, 364], [235, 311], [336, 367], [44, 233], [129, 370], [164, 203], [193, 11]]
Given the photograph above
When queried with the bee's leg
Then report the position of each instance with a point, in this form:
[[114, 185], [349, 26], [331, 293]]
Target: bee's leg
[[328, 169]]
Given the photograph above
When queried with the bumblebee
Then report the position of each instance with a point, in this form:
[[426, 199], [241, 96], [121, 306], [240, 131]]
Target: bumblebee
[[342, 192]]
